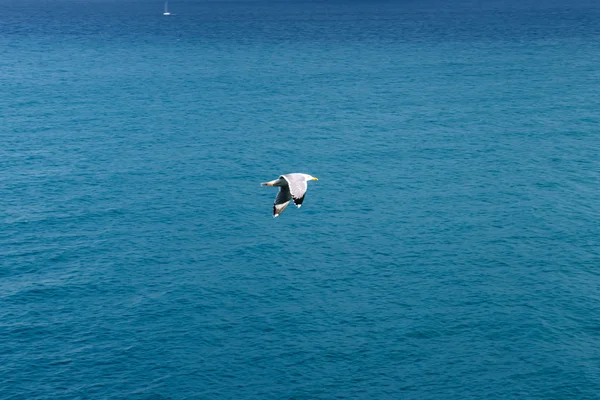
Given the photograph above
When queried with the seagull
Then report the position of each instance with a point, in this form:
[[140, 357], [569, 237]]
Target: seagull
[[291, 186]]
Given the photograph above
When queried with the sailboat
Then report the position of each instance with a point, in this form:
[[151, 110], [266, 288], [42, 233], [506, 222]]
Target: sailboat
[[167, 8]]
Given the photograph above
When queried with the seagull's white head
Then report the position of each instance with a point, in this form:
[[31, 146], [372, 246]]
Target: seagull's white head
[[310, 177]]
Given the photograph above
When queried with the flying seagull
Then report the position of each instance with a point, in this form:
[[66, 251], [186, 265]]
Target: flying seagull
[[291, 186]]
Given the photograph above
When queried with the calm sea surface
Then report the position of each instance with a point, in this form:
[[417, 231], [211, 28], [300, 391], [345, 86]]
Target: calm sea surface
[[449, 250]]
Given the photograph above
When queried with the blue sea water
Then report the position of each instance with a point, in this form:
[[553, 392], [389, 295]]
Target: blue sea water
[[449, 250]]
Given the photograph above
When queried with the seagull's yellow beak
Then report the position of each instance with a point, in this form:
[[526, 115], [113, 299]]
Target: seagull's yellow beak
[[314, 179]]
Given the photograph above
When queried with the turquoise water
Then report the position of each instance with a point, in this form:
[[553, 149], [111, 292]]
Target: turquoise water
[[449, 249]]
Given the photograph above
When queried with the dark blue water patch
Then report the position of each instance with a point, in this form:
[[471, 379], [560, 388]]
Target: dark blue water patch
[[252, 22]]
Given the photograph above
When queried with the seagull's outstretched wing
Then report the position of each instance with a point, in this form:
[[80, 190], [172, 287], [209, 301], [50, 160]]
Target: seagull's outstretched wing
[[297, 187], [282, 200]]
